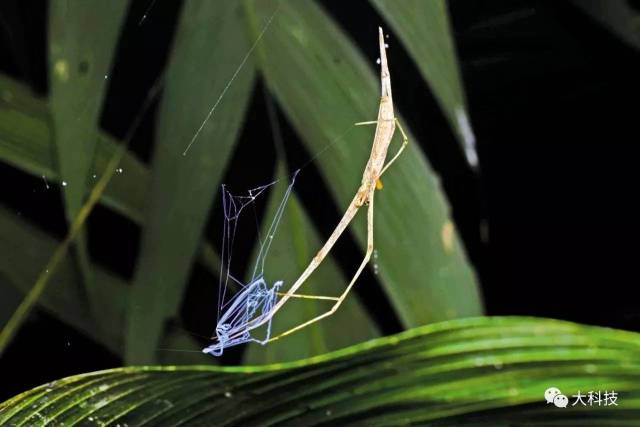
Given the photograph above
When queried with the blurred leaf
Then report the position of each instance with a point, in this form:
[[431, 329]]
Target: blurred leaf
[[25, 134], [26, 249], [324, 86], [210, 45], [82, 40], [62, 299], [9, 297], [25, 143], [618, 16], [477, 371], [423, 27], [289, 254]]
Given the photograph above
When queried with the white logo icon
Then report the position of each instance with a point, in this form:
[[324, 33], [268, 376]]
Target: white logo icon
[[555, 396], [561, 401]]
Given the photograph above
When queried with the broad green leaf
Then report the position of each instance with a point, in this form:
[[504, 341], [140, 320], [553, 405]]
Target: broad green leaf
[[210, 45], [288, 256], [324, 85], [26, 144], [423, 27], [472, 372], [82, 40]]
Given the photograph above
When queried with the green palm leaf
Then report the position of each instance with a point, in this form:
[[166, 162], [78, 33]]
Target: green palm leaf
[[479, 371]]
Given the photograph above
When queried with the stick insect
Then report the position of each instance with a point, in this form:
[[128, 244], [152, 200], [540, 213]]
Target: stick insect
[[261, 302]]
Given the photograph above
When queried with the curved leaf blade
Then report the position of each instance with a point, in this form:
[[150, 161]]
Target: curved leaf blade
[[476, 371]]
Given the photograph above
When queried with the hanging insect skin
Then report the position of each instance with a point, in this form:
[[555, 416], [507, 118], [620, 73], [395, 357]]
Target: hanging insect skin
[[254, 302]]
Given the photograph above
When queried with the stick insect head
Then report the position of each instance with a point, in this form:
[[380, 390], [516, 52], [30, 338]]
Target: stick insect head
[[385, 77]]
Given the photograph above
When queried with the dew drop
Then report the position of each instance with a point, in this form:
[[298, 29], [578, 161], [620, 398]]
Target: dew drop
[[228, 394], [378, 61], [64, 183]]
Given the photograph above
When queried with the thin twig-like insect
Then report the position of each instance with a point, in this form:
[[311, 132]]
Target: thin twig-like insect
[[375, 168]]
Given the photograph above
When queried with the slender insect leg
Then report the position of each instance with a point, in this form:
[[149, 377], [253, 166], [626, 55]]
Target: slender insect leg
[[341, 298], [405, 141], [302, 296], [268, 334]]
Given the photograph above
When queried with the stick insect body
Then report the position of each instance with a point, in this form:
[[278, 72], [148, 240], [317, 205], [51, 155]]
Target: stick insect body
[[375, 168]]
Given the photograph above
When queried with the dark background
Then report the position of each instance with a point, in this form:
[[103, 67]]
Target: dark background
[[554, 103]]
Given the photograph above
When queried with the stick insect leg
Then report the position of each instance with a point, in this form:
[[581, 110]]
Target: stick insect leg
[[342, 297], [405, 141], [303, 296]]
